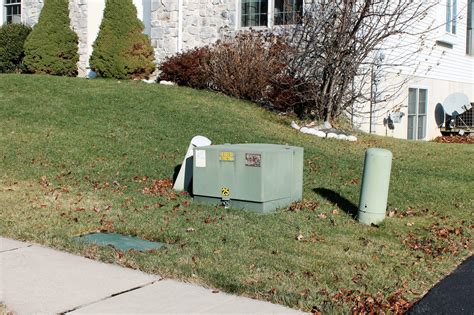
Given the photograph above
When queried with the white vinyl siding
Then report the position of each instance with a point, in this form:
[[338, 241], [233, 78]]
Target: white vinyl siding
[[434, 61]]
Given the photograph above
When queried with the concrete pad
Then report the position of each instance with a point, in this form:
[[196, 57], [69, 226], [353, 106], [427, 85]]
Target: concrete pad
[[7, 244], [172, 297], [41, 280]]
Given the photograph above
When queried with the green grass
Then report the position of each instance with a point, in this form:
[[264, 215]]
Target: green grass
[[74, 153]]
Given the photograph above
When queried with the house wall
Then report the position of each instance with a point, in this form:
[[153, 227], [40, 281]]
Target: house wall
[[438, 90], [431, 65], [178, 25]]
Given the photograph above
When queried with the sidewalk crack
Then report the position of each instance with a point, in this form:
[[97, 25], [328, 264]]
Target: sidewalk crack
[[110, 296], [13, 249]]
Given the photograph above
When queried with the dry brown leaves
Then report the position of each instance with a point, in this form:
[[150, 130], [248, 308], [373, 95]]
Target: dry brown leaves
[[409, 212], [440, 241], [455, 139], [308, 205], [161, 188], [365, 303]]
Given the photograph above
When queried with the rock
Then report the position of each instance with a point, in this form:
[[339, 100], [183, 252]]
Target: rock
[[305, 130], [341, 137], [352, 138], [317, 133], [331, 135], [148, 81], [163, 82], [294, 125]]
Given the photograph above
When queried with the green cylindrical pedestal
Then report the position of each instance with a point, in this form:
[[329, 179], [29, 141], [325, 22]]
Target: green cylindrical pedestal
[[375, 185]]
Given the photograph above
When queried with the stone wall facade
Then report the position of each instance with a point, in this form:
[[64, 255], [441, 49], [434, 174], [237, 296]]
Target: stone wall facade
[[203, 22], [77, 13]]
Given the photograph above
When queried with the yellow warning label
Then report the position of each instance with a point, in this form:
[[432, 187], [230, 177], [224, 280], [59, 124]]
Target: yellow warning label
[[226, 156], [225, 192]]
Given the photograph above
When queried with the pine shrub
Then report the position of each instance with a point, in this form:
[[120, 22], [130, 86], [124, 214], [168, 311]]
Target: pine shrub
[[121, 50], [52, 46], [12, 40]]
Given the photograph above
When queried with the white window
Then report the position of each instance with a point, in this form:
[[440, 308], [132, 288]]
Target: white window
[[451, 16], [12, 11], [268, 13], [417, 107], [470, 28], [254, 13], [287, 11]]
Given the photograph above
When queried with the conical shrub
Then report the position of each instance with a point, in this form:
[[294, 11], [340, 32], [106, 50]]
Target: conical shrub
[[121, 50], [52, 46]]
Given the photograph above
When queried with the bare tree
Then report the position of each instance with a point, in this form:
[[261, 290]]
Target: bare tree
[[341, 48]]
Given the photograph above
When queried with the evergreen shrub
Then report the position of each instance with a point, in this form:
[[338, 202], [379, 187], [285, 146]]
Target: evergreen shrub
[[52, 46], [12, 40], [121, 50]]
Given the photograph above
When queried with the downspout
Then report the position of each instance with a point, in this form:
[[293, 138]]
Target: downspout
[[180, 26]]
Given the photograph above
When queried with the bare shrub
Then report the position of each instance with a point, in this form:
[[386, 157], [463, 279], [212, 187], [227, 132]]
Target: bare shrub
[[245, 66]]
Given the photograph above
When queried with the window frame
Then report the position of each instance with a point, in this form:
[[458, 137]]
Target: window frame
[[6, 6], [270, 15], [470, 28], [415, 134], [452, 13]]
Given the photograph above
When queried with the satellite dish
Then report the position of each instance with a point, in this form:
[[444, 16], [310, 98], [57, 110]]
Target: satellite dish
[[439, 115], [456, 104]]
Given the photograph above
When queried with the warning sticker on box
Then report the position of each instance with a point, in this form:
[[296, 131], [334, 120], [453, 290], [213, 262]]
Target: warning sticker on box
[[252, 159], [227, 156], [200, 158]]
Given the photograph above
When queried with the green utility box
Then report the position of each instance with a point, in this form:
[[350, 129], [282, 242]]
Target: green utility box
[[257, 177]]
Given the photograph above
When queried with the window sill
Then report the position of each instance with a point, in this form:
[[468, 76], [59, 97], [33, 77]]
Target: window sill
[[264, 28], [448, 39]]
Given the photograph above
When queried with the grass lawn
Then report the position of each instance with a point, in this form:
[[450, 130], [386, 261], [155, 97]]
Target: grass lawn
[[77, 156]]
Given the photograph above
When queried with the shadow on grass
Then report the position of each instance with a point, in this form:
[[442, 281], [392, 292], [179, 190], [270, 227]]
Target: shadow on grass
[[334, 197]]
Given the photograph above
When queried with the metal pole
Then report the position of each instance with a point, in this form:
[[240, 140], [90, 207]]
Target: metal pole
[[371, 97]]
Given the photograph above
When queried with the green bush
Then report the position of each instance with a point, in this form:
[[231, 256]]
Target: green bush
[[52, 46], [12, 39], [121, 50]]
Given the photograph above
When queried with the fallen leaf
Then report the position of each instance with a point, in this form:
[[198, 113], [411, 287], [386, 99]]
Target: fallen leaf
[[190, 229], [322, 216]]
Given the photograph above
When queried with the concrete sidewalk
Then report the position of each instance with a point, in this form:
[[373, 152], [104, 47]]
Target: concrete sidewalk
[[40, 280]]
